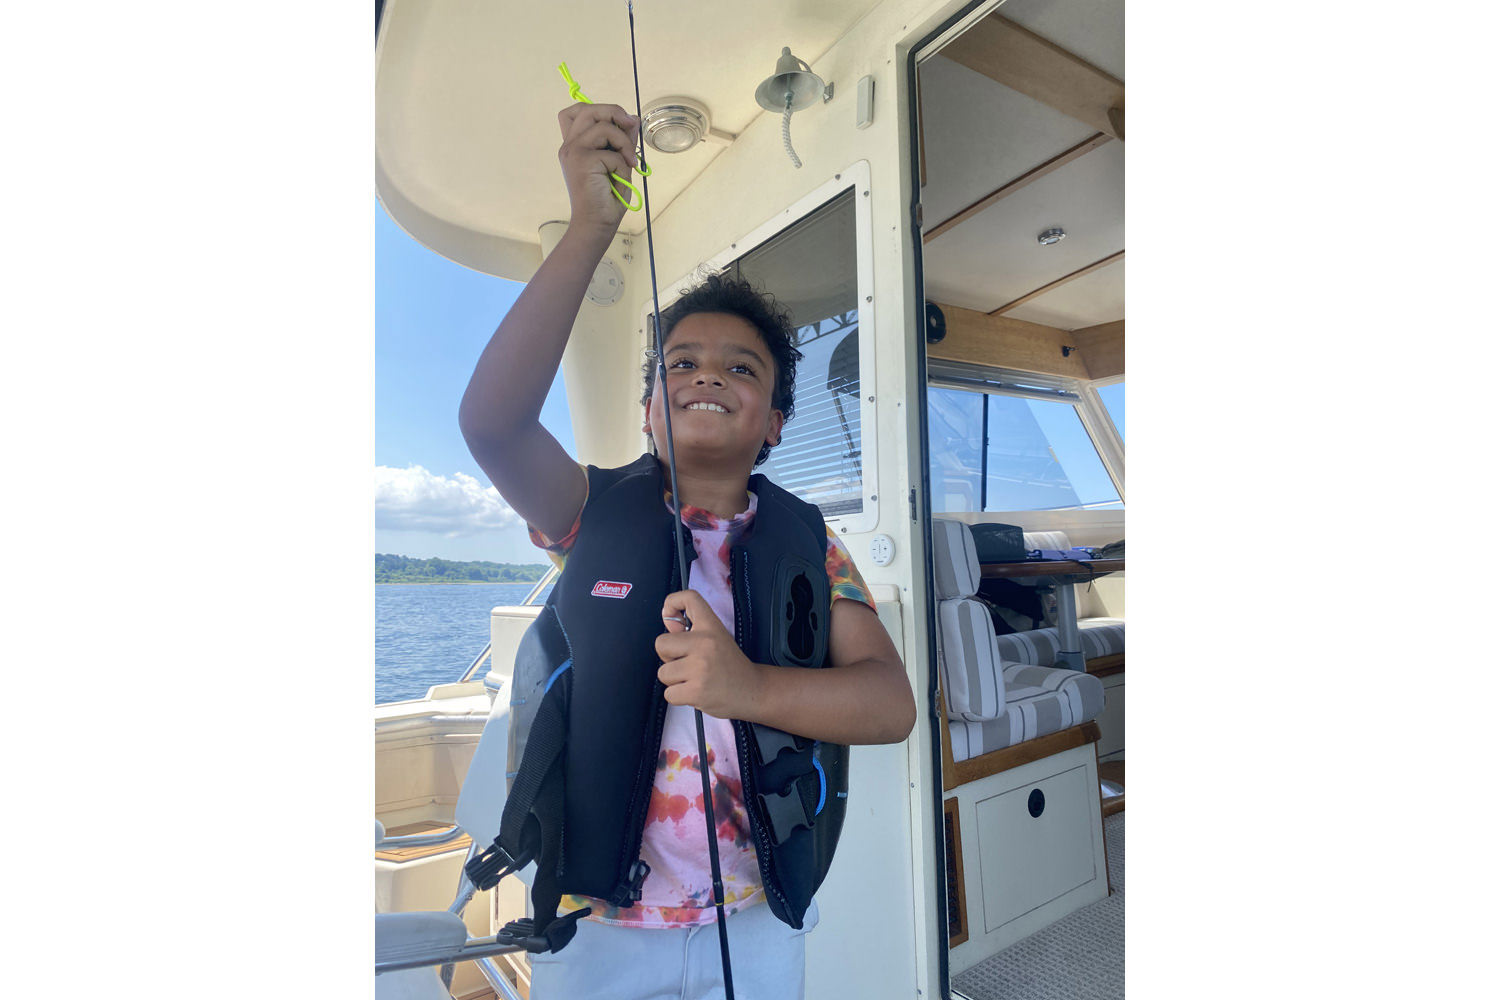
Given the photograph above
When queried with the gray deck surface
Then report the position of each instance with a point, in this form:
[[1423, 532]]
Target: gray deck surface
[[1081, 957]]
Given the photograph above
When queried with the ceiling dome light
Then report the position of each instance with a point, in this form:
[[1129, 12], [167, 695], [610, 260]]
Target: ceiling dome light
[[1050, 237], [675, 124]]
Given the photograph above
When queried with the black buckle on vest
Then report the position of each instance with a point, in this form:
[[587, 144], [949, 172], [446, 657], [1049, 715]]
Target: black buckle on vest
[[631, 892], [769, 742], [522, 933], [487, 868], [785, 811]]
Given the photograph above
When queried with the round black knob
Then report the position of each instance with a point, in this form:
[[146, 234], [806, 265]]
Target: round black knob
[[1036, 802]]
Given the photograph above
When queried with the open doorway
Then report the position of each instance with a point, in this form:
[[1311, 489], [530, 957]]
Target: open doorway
[[1020, 127]]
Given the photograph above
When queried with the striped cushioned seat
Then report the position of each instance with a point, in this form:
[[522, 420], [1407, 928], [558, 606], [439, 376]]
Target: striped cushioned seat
[[972, 684], [955, 561], [1045, 540], [1099, 637], [1038, 701]]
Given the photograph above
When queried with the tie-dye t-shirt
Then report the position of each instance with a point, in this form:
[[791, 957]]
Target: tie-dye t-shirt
[[679, 890]]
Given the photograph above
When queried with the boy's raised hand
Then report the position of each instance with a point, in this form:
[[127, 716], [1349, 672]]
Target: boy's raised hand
[[704, 668], [597, 139]]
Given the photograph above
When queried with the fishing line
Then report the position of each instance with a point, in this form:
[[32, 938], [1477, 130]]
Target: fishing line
[[682, 565]]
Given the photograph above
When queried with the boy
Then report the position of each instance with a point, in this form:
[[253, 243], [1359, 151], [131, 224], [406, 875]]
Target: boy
[[730, 365]]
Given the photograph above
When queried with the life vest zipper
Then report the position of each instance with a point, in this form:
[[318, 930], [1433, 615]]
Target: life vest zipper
[[631, 874], [749, 787]]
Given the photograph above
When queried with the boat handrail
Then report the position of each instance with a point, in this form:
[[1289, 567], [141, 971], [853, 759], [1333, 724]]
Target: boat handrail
[[484, 654], [444, 836], [547, 578]]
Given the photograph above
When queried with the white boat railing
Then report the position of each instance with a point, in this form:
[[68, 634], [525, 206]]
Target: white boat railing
[[484, 653]]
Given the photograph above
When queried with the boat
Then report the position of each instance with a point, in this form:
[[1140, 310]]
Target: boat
[[941, 207]]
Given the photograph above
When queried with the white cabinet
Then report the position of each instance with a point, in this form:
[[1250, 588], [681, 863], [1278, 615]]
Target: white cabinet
[[1032, 846]]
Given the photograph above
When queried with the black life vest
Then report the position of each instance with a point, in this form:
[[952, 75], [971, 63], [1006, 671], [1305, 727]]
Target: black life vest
[[587, 708]]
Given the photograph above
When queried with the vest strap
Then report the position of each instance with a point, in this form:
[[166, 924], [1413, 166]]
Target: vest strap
[[770, 742], [793, 807]]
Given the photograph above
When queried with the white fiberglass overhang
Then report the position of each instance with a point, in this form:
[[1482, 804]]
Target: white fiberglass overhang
[[467, 96]]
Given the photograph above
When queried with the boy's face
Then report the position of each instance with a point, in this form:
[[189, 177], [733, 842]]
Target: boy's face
[[720, 377]]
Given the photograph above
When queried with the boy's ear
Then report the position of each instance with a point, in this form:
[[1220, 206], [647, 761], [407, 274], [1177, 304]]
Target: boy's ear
[[773, 430]]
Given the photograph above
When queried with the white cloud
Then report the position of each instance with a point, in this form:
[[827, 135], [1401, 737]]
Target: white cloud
[[413, 499]]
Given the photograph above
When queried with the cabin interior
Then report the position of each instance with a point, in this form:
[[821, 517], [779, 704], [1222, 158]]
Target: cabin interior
[[994, 397]]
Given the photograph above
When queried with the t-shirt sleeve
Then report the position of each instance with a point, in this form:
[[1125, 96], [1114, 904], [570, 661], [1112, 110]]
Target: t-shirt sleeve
[[558, 551], [843, 577]]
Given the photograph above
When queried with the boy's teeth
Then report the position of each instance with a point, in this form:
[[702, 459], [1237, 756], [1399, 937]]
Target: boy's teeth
[[707, 406]]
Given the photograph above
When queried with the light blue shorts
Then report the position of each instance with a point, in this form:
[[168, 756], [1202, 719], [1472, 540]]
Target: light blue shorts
[[610, 962]]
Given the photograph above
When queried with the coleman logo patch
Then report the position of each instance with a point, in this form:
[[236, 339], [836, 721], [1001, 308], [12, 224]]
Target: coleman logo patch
[[608, 588]]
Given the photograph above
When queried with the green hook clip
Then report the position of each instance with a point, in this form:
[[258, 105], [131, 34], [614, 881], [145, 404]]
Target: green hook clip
[[575, 91]]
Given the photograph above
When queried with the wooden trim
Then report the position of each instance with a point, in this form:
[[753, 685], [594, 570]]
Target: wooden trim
[[400, 854], [478, 993], [958, 905], [1014, 57], [1113, 770], [1096, 265], [950, 778], [1103, 348], [1010, 187], [1007, 758], [1026, 569], [1107, 665], [518, 964], [1002, 342]]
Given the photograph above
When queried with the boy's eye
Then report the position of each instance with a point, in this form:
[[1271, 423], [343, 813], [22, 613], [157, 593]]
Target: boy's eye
[[681, 363], [742, 368]]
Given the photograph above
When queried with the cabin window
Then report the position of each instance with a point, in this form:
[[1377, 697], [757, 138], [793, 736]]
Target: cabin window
[[811, 269], [1000, 444], [1114, 402]]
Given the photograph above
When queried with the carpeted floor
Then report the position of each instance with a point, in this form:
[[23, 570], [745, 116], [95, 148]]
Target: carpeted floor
[[1081, 957]]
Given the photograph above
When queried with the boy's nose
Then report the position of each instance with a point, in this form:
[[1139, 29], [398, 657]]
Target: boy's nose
[[706, 376]]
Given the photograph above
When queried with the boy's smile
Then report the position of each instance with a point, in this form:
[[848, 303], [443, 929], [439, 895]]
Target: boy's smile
[[720, 379]]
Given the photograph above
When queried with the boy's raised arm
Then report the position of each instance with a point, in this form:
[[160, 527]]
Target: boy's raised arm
[[500, 409]]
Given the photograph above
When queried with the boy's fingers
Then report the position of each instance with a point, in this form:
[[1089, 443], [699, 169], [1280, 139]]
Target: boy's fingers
[[613, 163], [691, 603], [586, 115], [606, 135], [674, 645]]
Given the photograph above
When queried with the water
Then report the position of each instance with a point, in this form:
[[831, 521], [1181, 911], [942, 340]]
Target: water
[[428, 634]]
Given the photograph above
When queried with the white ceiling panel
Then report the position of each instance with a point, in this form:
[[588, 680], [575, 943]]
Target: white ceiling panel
[[467, 93], [994, 257], [1097, 297], [980, 135], [1093, 30]]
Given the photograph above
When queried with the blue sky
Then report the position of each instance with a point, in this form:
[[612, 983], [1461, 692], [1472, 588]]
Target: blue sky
[[432, 318]]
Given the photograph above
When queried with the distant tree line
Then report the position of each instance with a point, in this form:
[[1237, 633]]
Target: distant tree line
[[404, 569]]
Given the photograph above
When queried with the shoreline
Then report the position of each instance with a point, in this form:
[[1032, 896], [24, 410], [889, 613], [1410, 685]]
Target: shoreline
[[457, 583]]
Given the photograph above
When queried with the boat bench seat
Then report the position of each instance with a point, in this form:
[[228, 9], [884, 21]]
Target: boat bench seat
[[1100, 637], [999, 692]]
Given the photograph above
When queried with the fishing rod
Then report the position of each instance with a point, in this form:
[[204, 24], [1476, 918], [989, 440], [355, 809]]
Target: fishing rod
[[682, 564], [658, 350]]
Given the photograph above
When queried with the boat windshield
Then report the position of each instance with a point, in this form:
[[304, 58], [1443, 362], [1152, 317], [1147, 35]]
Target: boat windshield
[[1009, 451]]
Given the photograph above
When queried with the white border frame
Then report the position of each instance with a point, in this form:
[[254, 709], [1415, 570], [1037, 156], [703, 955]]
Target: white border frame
[[856, 175]]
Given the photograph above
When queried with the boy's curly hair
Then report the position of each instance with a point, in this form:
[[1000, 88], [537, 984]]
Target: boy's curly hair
[[724, 293]]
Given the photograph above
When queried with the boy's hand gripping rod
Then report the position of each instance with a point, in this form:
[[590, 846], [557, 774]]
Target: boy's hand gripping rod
[[659, 350]]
